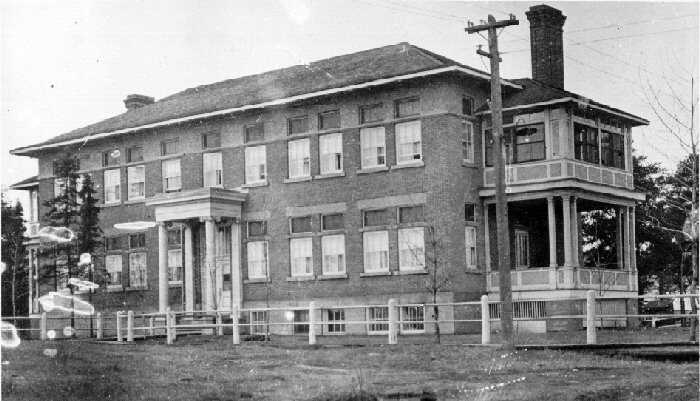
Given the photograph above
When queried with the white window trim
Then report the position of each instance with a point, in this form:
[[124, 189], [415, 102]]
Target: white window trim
[[343, 268], [404, 231], [129, 194], [398, 144], [364, 251], [118, 189], [165, 178], [467, 247], [306, 156], [145, 284], [291, 259], [470, 154], [369, 325], [322, 155], [518, 234], [375, 154], [247, 166], [328, 322], [218, 172], [121, 272], [267, 261], [402, 330], [179, 267]]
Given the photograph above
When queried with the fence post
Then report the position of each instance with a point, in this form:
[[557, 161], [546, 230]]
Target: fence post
[[236, 332], [42, 326], [150, 326], [168, 327], [119, 326], [98, 324], [393, 321], [219, 327], [485, 320], [130, 326], [173, 321], [590, 317], [312, 322]]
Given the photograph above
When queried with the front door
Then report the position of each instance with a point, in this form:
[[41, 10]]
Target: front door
[[223, 268]]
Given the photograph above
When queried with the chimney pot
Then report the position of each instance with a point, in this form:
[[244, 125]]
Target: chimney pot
[[135, 101], [547, 45]]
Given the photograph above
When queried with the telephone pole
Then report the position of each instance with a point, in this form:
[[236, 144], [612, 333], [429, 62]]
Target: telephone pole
[[502, 235]]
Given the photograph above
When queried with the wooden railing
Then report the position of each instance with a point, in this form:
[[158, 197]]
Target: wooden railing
[[547, 278]]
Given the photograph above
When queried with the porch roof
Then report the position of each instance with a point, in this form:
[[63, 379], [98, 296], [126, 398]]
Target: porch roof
[[201, 202]]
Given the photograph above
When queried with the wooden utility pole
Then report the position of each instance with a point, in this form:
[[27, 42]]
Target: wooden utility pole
[[502, 237]]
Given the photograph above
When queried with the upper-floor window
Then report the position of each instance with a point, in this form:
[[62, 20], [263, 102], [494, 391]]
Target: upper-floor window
[[408, 142], [255, 164], [171, 175], [112, 185], [299, 158], [612, 149], [380, 217], [136, 182], [111, 157], [332, 222], [469, 215], [467, 141], [411, 249], [301, 225], [329, 119], [211, 140], [331, 153], [301, 255], [298, 125], [372, 147], [467, 105], [169, 147], [410, 214], [257, 228], [522, 248], [586, 143], [137, 240], [371, 113], [212, 169], [254, 132], [470, 246], [529, 143], [256, 252], [134, 154], [333, 254], [407, 107]]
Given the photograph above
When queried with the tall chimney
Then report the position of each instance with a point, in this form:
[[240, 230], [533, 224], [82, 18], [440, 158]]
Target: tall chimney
[[546, 45], [135, 101]]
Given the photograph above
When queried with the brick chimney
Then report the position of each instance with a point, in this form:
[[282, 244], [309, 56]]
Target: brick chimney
[[546, 45], [135, 101]]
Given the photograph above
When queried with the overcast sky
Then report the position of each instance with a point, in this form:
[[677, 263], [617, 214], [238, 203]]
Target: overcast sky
[[66, 64]]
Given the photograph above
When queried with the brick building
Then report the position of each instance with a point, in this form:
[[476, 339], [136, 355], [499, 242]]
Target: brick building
[[339, 181]]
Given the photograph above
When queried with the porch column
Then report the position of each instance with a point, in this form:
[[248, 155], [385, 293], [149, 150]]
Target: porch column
[[487, 241], [620, 244], [30, 264], [210, 262], [236, 281], [552, 224], [566, 218], [162, 268], [633, 239], [574, 231], [189, 269], [627, 238]]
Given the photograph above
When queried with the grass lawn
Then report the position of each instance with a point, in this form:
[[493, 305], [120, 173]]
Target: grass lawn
[[210, 368]]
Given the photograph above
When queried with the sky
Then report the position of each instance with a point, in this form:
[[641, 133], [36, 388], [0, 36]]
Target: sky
[[67, 64]]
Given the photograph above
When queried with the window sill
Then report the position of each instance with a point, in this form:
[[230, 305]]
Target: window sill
[[135, 201], [301, 278], [370, 170], [372, 274], [417, 163], [333, 276], [376, 228], [255, 184], [467, 163], [410, 272], [329, 175], [297, 179], [256, 280]]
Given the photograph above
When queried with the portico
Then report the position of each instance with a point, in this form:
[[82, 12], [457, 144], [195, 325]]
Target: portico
[[219, 210]]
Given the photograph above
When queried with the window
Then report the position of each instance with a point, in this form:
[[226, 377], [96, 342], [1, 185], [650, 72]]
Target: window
[[136, 182], [174, 237], [301, 256], [134, 154], [410, 214], [378, 314], [110, 158], [329, 119], [467, 105], [301, 321], [113, 264], [331, 153], [257, 259], [257, 228], [301, 225], [254, 132], [169, 147], [59, 187], [586, 143], [212, 169], [373, 147], [529, 143], [612, 149], [408, 142], [255, 170], [407, 107], [113, 243], [299, 158], [332, 222], [411, 249], [468, 142], [412, 318], [470, 246], [469, 212], [171, 175], [137, 270], [211, 140], [258, 320], [174, 266], [137, 240], [522, 249], [112, 187], [333, 251], [376, 251], [336, 321], [371, 113], [298, 125], [79, 183], [380, 217]]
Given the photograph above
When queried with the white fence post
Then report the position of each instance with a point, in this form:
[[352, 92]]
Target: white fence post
[[168, 327], [393, 321], [485, 320], [219, 327], [590, 317], [312, 322], [236, 333], [119, 326], [42, 326], [130, 326], [173, 321], [98, 323]]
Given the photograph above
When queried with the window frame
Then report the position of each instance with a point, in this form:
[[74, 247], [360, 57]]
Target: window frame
[[407, 100], [303, 165], [401, 157], [106, 158], [369, 107], [256, 324], [254, 128], [371, 327], [300, 326], [384, 253], [323, 220], [144, 284], [518, 235], [264, 230], [310, 225], [470, 247], [340, 261], [117, 188], [218, 174], [338, 152], [130, 195], [164, 146], [468, 103], [335, 326], [206, 139], [374, 152], [291, 120], [469, 210], [403, 267], [516, 146], [247, 166], [468, 141], [321, 125], [405, 327], [266, 259], [130, 154], [166, 178], [110, 284], [294, 268]]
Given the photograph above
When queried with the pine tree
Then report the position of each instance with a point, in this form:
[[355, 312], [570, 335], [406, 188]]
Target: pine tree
[[14, 278]]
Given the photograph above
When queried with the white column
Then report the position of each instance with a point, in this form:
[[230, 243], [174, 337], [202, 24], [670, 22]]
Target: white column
[[487, 241], [552, 224], [627, 238], [30, 264], [566, 218], [236, 281], [633, 239], [162, 267], [189, 269], [210, 253], [620, 244], [574, 231]]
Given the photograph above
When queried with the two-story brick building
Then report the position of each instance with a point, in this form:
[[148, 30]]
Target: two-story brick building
[[329, 182]]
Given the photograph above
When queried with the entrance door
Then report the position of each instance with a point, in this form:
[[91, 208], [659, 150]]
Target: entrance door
[[223, 268]]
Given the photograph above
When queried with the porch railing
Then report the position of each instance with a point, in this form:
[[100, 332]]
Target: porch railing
[[548, 278]]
